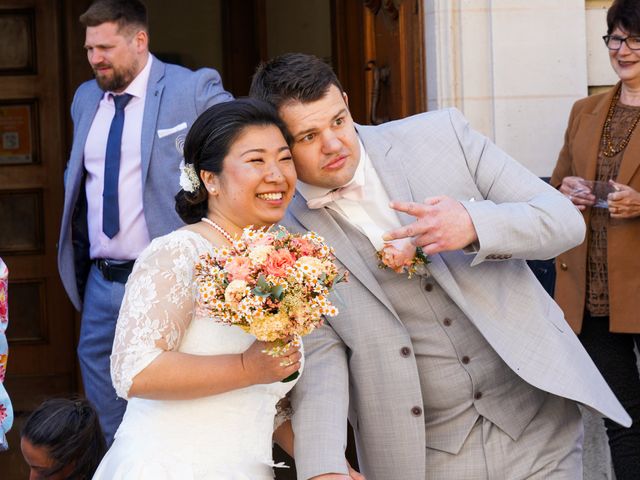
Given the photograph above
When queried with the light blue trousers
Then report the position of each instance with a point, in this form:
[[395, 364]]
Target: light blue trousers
[[102, 301]]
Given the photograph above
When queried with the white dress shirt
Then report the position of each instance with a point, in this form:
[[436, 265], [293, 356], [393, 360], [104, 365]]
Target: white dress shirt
[[133, 236], [372, 215]]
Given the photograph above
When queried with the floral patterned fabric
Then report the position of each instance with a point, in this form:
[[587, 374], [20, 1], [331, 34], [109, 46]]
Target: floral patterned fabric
[[6, 412]]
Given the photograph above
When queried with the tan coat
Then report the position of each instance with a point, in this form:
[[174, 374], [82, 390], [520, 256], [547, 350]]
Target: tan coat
[[578, 157]]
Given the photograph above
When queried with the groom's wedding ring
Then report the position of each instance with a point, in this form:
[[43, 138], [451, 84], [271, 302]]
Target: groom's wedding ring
[[286, 363]]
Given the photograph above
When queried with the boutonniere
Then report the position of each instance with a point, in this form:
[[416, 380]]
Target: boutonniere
[[402, 256]]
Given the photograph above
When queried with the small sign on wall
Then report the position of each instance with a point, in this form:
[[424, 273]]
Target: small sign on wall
[[17, 133]]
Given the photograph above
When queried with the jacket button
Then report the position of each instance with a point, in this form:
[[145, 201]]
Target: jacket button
[[416, 411], [405, 351], [428, 287], [465, 359], [478, 395], [564, 266], [447, 322]]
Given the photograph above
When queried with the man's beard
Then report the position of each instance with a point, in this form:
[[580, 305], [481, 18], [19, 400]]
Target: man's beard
[[118, 81]]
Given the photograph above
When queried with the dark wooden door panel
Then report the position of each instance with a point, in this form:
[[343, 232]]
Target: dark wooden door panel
[[42, 327]]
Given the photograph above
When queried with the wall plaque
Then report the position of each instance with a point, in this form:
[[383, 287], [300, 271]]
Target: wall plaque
[[18, 132]]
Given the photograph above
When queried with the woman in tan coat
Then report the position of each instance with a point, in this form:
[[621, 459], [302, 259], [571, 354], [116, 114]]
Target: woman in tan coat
[[598, 282]]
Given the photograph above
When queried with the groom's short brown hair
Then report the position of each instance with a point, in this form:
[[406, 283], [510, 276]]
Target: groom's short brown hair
[[293, 77]]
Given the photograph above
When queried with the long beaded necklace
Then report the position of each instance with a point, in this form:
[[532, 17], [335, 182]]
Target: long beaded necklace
[[609, 148], [217, 227]]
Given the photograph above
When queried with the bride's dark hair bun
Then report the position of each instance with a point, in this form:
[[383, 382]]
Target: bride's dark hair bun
[[209, 141]]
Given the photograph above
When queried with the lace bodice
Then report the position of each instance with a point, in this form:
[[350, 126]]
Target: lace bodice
[[158, 304]]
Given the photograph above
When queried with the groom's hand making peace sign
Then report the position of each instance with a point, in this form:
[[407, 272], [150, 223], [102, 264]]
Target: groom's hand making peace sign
[[442, 224]]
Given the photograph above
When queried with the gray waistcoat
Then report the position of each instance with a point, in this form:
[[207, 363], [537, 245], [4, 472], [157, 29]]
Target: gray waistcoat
[[461, 376]]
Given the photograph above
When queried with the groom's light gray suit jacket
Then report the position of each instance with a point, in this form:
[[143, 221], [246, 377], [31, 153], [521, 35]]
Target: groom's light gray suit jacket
[[175, 95], [354, 365]]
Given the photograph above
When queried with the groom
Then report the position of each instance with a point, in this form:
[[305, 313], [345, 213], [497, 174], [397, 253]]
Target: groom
[[469, 372]]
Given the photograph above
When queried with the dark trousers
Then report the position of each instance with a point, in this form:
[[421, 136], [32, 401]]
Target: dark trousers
[[613, 354]]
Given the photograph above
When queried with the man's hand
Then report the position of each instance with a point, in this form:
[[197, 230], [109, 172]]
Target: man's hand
[[443, 224]]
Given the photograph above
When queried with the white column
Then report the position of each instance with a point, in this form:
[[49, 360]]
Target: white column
[[514, 67]]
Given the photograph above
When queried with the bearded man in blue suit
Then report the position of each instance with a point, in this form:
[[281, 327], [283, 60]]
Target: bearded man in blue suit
[[122, 175]]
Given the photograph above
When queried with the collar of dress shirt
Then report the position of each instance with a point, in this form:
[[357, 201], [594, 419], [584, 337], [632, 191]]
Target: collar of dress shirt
[[138, 87], [310, 192]]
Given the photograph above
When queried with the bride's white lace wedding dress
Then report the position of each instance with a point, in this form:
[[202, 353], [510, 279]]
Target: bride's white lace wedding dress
[[226, 436]]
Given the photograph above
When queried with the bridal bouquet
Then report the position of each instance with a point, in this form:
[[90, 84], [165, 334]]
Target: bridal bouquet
[[272, 284]]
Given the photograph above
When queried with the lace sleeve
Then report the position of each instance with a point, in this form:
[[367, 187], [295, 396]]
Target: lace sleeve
[[157, 308]]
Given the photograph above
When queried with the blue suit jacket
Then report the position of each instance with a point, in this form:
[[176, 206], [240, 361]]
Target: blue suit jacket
[[174, 95]]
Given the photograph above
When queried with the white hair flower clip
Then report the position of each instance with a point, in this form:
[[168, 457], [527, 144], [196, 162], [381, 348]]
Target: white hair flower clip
[[189, 180]]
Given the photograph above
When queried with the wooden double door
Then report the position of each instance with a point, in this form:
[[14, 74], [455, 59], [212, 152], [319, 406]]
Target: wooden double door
[[376, 48]]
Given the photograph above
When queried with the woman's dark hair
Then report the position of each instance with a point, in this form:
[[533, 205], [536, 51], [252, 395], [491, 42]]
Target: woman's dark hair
[[624, 14], [209, 141], [70, 431], [293, 77]]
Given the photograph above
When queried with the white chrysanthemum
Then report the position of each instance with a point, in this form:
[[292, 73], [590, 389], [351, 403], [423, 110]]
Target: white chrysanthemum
[[259, 253], [310, 266]]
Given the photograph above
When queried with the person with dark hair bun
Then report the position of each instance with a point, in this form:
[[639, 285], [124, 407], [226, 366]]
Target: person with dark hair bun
[[202, 396], [597, 282], [62, 439]]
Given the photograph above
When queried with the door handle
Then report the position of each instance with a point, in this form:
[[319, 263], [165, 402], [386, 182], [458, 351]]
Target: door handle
[[380, 77]]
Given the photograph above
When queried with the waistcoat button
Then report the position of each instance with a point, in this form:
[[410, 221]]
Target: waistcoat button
[[416, 411], [405, 351]]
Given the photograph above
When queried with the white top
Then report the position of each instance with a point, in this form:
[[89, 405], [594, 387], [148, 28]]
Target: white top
[[372, 215]]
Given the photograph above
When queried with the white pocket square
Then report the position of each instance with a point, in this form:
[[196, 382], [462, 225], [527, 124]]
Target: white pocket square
[[163, 132]]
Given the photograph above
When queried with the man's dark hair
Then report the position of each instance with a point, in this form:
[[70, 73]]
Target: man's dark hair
[[127, 14], [293, 77], [624, 14], [70, 432]]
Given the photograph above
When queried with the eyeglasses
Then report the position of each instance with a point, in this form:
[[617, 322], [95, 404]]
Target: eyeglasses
[[613, 42]]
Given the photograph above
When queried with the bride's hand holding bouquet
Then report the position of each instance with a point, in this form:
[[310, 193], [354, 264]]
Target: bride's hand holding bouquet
[[272, 284]]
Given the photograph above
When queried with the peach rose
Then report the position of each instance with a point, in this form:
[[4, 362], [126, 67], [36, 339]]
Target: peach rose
[[239, 268], [278, 262], [304, 246], [235, 291], [398, 254]]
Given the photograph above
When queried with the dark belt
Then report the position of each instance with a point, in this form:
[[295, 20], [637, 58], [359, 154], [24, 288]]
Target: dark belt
[[112, 271]]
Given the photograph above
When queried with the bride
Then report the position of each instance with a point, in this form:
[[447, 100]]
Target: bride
[[203, 395]]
